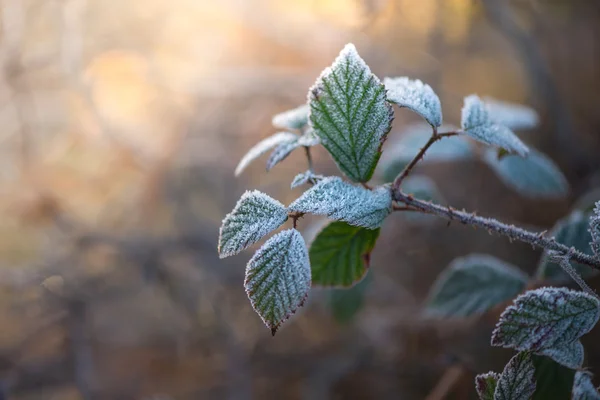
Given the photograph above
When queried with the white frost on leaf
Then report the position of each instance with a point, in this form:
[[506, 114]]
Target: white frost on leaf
[[343, 201], [512, 115], [535, 176], [478, 124], [296, 118], [570, 355], [416, 96], [583, 388], [254, 216], [306, 177], [517, 381], [485, 385], [595, 230], [350, 114], [472, 285], [278, 278], [284, 149], [262, 147], [309, 138], [547, 321]]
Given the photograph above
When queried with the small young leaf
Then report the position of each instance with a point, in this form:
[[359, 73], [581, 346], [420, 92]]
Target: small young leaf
[[595, 230], [517, 381], [548, 321], [262, 147], [296, 118], [571, 231], [477, 123], [534, 177], [583, 388], [339, 255], [306, 177], [552, 380], [350, 114], [346, 303], [512, 115], [472, 285], [416, 96], [254, 216], [343, 201], [278, 278], [485, 384], [281, 152]]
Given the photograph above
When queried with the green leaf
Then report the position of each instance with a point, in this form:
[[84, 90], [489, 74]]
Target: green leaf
[[478, 124], [416, 96], [296, 118], [571, 231], [595, 230], [339, 255], [346, 303], [583, 388], [553, 381], [512, 115], [262, 147], [485, 384], [278, 278], [472, 285], [517, 381], [350, 114], [343, 201], [534, 177], [548, 321], [254, 216]]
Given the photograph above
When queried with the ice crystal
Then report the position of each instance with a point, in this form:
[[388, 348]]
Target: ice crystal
[[512, 115], [262, 147], [485, 385], [254, 216], [517, 381], [350, 114], [296, 118], [416, 96], [278, 278], [583, 388], [343, 201], [477, 123]]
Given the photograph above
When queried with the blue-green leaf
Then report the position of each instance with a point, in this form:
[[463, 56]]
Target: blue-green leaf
[[416, 96], [517, 381], [535, 176], [512, 115], [583, 388], [263, 146], [296, 118], [350, 114], [278, 278]]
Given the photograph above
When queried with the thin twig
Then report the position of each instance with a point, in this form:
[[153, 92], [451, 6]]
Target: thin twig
[[565, 263], [495, 226], [308, 158]]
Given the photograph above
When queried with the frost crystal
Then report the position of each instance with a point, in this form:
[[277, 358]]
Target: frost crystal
[[595, 230], [343, 201], [306, 177], [477, 123], [548, 321], [485, 384], [517, 381], [474, 284], [416, 96], [350, 114], [512, 115], [296, 118], [534, 177], [583, 388], [278, 278], [262, 147], [254, 216]]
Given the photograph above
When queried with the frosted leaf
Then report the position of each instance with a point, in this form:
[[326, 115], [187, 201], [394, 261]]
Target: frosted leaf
[[340, 254], [472, 285], [547, 321], [416, 96], [309, 138], [254, 216], [517, 381], [278, 278], [399, 151], [485, 384], [343, 201], [477, 123], [571, 231], [296, 118], [281, 152], [534, 177], [595, 230], [306, 177], [512, 115], [570, 355], [583, 388], [262, 147], [350, 114]]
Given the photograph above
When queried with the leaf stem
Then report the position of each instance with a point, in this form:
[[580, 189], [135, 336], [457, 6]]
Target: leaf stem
[[565, 263], [494, 226], [308, 158]]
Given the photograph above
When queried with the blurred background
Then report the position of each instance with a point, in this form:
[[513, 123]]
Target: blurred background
[[122, 123]]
